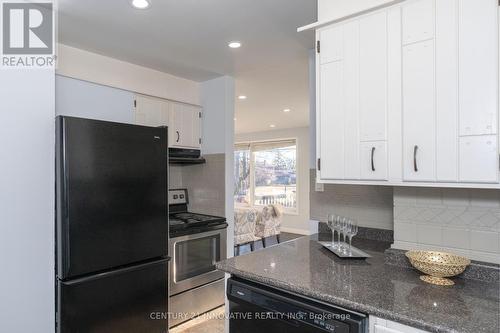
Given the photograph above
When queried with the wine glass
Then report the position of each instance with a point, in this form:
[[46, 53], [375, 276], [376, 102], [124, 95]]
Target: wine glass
[[330, 223], [351, 231], [343, 228], [337, 227]]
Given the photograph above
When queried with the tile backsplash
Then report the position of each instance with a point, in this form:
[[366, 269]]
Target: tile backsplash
[[205, 184], [371, 206], [464, 221]]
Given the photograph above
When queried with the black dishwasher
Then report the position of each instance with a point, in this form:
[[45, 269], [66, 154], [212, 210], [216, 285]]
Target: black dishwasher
[[257, 308]]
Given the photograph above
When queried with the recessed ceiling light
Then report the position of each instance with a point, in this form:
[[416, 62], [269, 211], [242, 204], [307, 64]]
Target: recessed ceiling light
[[272, 126], [242, 97], [234, 44], [287, 110], [141, 4], [234, 119]]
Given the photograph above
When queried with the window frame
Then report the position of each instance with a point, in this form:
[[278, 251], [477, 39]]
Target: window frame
[[287, 211]]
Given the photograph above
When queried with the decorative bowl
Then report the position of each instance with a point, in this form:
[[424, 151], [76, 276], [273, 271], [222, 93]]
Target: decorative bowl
[[437, 265]]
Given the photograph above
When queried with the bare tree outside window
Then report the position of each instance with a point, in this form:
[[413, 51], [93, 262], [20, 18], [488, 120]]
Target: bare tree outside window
[[266, 173]]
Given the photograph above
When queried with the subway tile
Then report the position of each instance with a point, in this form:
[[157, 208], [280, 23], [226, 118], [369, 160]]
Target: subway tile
[[427, 234], [407, 213], [457, 238], [405, 232], [485, 198], [470, 217], [456, 197], [405, 195], [484, 256], [429, 196], [450, 216], [484, 241], [488, 221]]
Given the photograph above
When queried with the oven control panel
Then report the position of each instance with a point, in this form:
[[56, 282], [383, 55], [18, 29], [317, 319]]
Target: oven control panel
[[177, 197]]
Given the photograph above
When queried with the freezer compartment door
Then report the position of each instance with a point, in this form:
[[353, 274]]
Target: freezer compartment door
[[131, 300], [111, 195]]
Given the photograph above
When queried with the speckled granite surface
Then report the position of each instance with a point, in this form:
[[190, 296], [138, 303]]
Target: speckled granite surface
[[395, 293]]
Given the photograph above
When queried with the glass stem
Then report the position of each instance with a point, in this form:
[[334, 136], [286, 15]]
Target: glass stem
[[350, 240], [333, 238]]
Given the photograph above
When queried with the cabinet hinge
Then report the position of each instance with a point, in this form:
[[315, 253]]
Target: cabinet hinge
[[318, 45], [199, 114], [135, 103], [319, 164], [199, 140]]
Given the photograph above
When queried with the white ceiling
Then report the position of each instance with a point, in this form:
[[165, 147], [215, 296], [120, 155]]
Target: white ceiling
[[188, 38]]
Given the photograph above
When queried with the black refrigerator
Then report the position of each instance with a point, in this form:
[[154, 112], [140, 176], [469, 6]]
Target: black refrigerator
[[111, 227]]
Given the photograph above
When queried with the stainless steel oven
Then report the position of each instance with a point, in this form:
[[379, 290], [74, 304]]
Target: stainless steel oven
[[193, 259]]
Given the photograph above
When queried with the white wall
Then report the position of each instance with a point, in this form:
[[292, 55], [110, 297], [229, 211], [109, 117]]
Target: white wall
[[292, 223], [27, 142], [334, 9], [217, 99], [84, 99], [84, 65]]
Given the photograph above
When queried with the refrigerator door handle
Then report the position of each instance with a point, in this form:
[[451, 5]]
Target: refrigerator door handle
[[114, 272]]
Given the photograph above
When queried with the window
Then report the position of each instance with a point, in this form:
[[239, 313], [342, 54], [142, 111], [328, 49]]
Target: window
[[266, 173]]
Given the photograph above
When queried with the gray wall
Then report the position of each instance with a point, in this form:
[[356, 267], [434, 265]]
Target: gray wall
[[27, 201]]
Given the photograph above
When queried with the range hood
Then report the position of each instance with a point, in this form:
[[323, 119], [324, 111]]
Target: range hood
[[185, 156]]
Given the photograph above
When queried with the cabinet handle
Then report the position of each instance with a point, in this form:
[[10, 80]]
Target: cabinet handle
[[415, 166], [373, 163], [178, 136]]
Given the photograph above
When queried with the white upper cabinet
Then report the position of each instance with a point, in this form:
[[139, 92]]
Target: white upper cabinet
[[419, 127], [408, 95], [374, 160], [332, 44], [478, 61], [331, 121], [184, 129], [150, 111], [183, 120], [373, 77], [418, 21]]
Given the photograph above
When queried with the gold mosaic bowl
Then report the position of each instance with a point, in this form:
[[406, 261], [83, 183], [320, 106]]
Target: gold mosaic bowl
[[437, 265]]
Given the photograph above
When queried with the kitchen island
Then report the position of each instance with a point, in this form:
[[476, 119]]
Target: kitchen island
[[303, 267]]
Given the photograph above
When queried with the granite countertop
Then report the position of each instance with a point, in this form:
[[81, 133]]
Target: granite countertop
[[370, 286]]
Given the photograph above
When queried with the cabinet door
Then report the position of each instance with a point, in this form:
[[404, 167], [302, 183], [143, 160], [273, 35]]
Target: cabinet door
[[175, 126], [418, 21], [331, 121], [190, 131], [373, 77], [150, 111], [419, 133], [351, 100], [478, 67], [374, 160], [479, 159], [184, 126], [331, 44]]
